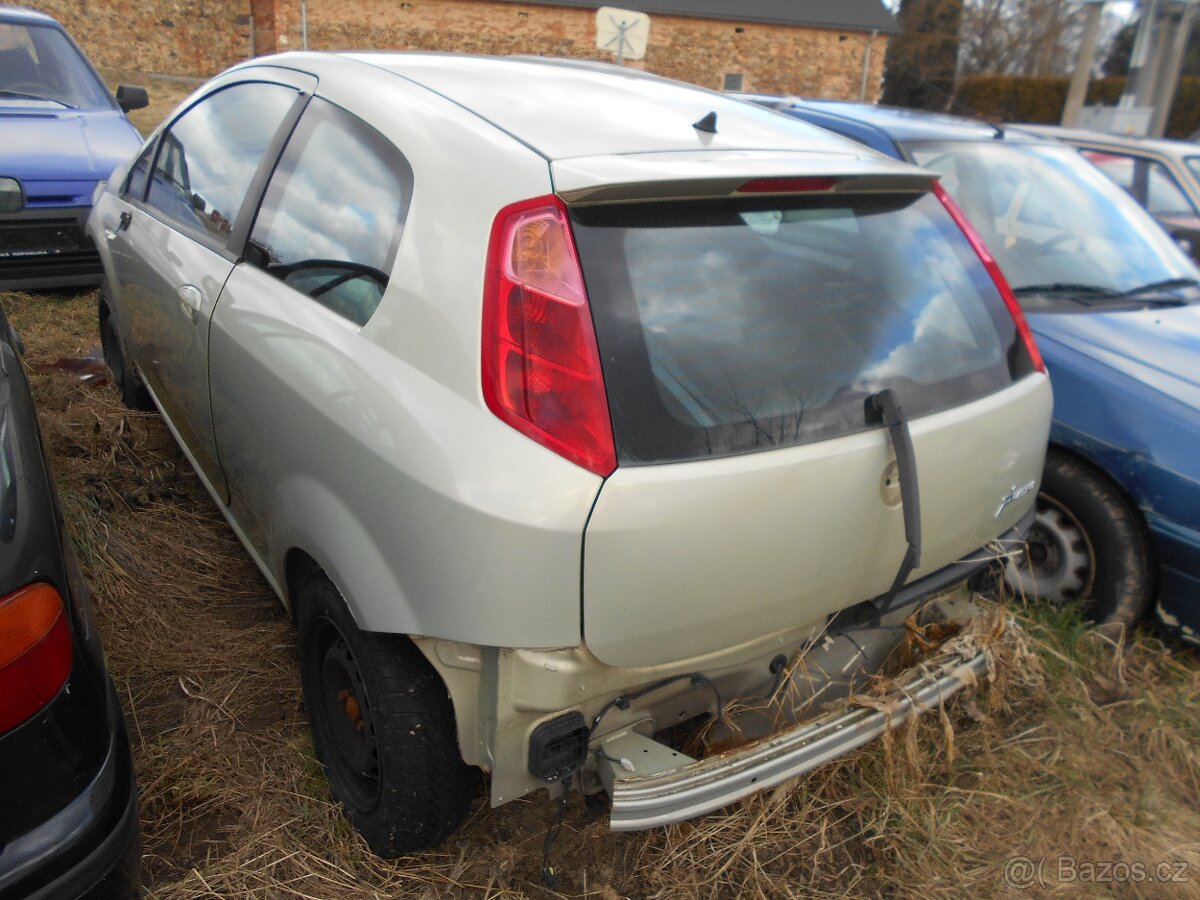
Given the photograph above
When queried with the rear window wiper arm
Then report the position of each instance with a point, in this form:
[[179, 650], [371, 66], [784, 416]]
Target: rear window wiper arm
[[885, 408]]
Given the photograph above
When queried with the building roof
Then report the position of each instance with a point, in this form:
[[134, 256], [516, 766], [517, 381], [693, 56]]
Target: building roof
[[842, 15]]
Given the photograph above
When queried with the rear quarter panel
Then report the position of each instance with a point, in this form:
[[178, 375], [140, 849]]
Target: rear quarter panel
[[371, 449]]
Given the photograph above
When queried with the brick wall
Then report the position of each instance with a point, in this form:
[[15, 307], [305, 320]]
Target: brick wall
[[772, 58], [202, 37], [175, 37]]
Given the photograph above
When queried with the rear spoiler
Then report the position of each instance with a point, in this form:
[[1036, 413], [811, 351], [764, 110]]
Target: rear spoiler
[[708, 175]]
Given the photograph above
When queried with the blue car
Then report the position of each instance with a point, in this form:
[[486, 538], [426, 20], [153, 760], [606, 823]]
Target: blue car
[[1115, 305], [61, 132]]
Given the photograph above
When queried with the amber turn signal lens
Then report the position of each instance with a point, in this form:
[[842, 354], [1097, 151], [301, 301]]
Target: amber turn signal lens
[[35, 652]]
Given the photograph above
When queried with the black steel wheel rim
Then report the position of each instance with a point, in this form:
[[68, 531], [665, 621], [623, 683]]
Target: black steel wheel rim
[[352, 756]]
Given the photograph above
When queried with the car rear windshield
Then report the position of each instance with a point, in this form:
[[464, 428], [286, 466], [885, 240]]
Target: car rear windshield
[[736, 325]]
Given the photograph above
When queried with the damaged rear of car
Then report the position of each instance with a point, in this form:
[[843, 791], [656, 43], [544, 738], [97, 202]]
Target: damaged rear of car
[[823, 411]]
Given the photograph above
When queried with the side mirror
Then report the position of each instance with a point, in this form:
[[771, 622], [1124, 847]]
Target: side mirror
[[1185, 240], [131, 97]]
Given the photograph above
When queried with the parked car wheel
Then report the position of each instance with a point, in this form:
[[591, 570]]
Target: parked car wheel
[[1086, 544], [125, 378], [383, 726]]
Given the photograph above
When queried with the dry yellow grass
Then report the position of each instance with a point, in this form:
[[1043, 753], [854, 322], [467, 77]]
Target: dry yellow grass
[[1093, 759], [1090, 755]]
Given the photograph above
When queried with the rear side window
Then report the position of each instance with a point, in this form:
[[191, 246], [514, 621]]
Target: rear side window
[[208, 157], [731, 326], [332, 217]]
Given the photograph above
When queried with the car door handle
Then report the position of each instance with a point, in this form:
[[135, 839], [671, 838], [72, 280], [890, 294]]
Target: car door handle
[[122, 224], [190, 300]]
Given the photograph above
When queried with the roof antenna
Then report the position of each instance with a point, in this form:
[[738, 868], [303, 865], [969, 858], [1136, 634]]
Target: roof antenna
[[708, 124]]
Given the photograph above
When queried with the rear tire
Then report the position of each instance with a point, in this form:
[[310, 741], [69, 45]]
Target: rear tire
[[1087, 544], [126, 381], [383, 726]]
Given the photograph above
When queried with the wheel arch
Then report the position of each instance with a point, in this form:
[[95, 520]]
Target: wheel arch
[[298, 565], [461, 682], [389, 668], [1124, 493], [322, 533], [104, 308], [1082, 459]]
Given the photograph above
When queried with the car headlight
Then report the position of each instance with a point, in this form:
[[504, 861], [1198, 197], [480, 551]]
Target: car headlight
[[12, 196]]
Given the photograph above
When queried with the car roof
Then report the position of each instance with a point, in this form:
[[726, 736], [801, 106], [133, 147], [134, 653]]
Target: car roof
[[1164, 146], [564, 108], [20, 15], [903, 124]]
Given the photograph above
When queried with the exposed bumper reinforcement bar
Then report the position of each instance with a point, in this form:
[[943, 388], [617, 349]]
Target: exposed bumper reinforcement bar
[[705, 785]]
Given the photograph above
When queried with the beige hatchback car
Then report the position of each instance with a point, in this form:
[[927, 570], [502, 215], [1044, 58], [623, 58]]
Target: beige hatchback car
[[564, 405]]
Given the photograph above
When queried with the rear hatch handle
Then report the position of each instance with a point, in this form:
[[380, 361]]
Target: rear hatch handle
[[883, 406]]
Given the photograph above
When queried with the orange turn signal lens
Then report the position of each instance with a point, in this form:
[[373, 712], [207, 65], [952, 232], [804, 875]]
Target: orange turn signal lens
[[35, 652]]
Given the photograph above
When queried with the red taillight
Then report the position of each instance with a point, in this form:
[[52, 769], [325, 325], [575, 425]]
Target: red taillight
[[35, 652], [989, 263], [787, 185], [541, 368]]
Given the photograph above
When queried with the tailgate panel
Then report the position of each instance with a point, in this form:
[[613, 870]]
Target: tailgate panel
[[688, 558]]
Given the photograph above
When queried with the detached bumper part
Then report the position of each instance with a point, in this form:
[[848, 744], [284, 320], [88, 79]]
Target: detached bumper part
[[640, 802]]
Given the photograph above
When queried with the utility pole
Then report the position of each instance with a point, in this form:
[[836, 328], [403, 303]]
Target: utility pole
[[1139, 70], [1167, 75], [1083, 65], [862, 88]]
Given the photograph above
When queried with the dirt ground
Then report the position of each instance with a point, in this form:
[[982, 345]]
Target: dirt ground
[[1083, 759]]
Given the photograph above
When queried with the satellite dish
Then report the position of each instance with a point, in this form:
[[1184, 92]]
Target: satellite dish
[[622, 32]]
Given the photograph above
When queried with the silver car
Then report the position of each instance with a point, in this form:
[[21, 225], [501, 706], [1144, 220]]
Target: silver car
[[563, 406]]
